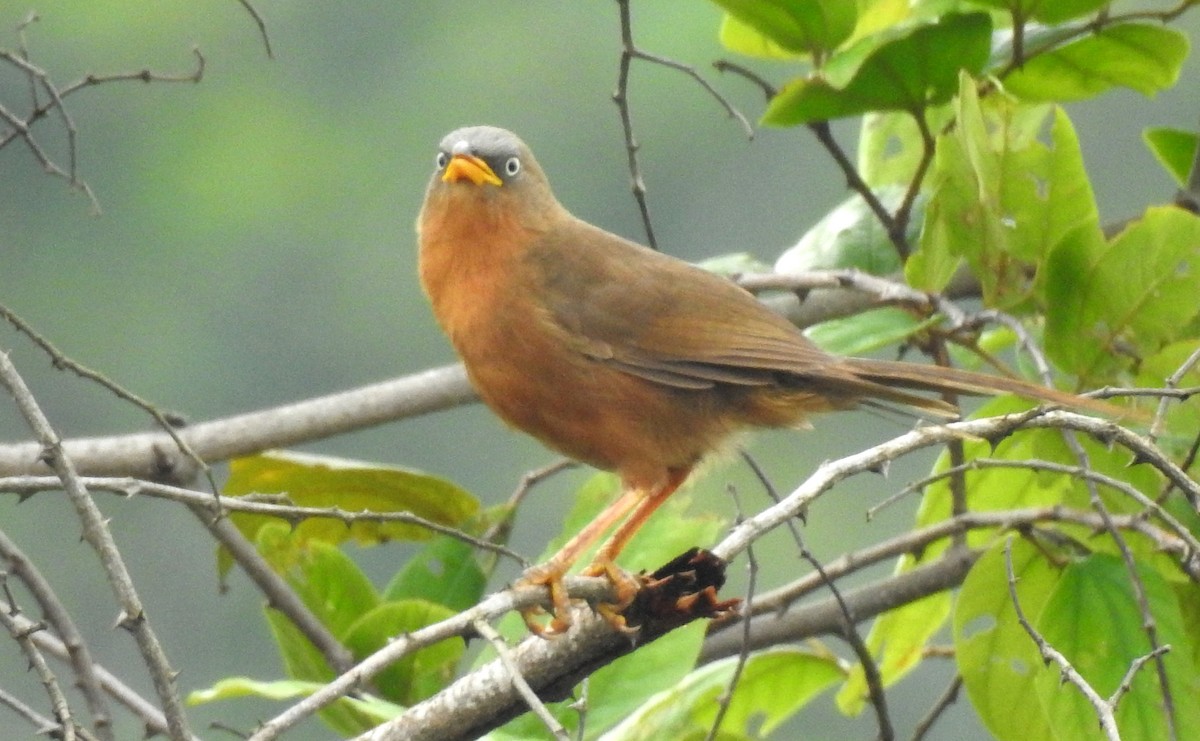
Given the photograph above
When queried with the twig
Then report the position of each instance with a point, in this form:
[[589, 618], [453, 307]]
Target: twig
[[42, 725], [62, 711], [167, 422], [828, 616], [847, 628], [514, 673], [629, 52], [768, 89], [56, 614], [1134, 667], [830, 473], [71, 174], [904, 212], [262, 26], [726, 697], [783, 598], [1172, 382], [1192, 543], [95, 531], [1149, 624], [1104, 711], [149, 715], [589, 588], [948, 698], [499, 532], [29, 485], [280, 595], [855, 182], [621, 98]]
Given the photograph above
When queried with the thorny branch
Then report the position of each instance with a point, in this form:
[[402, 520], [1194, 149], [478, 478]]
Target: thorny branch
[[630, 52]]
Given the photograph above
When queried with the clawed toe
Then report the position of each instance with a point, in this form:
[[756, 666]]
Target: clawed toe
[[625, 586], [551, 578]]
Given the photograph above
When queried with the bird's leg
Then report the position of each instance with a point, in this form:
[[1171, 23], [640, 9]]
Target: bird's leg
[[550, 574], [604, 564]]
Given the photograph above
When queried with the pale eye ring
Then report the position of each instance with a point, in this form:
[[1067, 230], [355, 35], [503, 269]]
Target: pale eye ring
[[441, 160], [512, 166]]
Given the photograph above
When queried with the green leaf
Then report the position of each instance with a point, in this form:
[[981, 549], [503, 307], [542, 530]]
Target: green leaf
[[302, 662], [741, 38], [1002, 200], [319, 481], [773, 686], [867, 332], [444, 572], [1175, 149], [1045, 11], [793, 27], [1092, 618], [328, 581], [915, 68], [850, 236], [370, 710], [890, 145], [995, 656], [1142, 57], [1111, 303], [419, 675]]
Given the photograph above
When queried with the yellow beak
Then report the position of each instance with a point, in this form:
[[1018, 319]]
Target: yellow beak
[[468, 167]]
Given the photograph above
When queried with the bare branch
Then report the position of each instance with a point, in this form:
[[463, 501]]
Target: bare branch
[[153, 455], [60, 620], [21, 634], [1104, 711], [506, 658], [629, 52], [95, 531]]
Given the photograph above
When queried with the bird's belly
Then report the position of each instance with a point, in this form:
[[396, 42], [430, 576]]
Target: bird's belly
[[593, 413]]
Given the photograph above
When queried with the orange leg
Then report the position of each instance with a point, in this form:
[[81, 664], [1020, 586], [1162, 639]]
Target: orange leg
[[551, 573], [604, 564], [646, 507]]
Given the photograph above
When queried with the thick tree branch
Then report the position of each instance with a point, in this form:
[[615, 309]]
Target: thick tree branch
[[153, 456]]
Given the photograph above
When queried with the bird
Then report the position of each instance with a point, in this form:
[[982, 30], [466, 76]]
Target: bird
[[623, 357]]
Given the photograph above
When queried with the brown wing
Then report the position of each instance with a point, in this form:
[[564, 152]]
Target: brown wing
[[675, 324], [662, 319]]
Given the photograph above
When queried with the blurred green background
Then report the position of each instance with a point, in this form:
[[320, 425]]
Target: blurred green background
[[256, 247]]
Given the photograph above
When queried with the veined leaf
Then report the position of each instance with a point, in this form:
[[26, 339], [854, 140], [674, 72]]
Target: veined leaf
[[793, 27], [326, 482], [916, 67], [773, 686], [1110, 302], [1139, 56]]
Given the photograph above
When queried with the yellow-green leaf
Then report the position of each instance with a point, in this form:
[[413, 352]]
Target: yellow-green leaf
[[1143, 57], [352, 486], [913, 68]]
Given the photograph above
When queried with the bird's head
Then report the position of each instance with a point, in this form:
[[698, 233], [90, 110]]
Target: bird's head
[[484, 173]]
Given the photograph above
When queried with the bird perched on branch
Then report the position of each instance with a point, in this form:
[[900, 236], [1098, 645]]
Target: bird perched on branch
[[622, 357]]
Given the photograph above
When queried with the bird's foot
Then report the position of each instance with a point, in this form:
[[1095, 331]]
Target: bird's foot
[[625, 587], [549, 575]]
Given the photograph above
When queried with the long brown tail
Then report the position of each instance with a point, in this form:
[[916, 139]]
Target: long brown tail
[[936, 378]]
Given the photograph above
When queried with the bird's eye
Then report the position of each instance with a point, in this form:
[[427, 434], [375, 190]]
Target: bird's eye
[[512, 167], [441, 160]]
